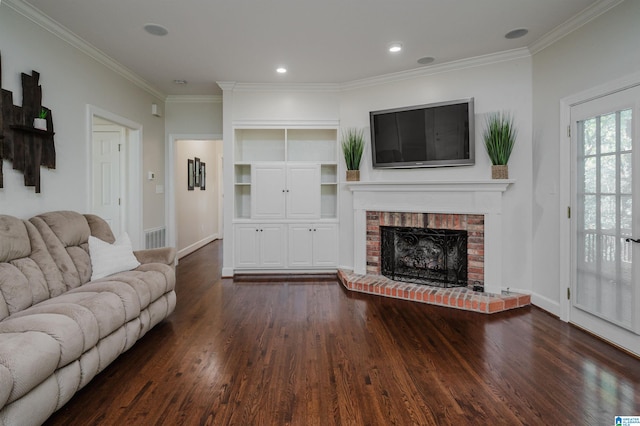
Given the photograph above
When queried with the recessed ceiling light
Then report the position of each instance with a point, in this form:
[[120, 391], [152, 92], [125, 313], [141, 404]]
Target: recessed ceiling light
[[426, 60], [517, 33], [281, 70], [395, 47], [180, 81], [155, 29]]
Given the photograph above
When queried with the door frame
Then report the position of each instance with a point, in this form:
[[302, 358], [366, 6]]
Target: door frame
[[133, 161], [619, 85]]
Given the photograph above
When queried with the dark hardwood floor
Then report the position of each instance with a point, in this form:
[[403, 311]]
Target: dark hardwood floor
[[309, 353]]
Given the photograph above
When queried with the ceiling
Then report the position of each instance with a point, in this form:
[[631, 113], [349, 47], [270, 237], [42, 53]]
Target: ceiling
[[326, 41]]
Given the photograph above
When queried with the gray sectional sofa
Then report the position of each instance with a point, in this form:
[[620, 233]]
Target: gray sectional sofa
[[58, 329]]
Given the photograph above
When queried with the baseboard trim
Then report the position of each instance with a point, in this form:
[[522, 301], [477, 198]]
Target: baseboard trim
[[546, 304], [288, 277], [195, 246]]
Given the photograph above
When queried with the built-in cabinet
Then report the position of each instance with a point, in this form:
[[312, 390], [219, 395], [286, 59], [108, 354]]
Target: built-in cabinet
[[313, 245], [285, 198]]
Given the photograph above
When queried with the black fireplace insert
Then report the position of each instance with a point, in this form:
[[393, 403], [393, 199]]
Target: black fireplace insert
[[436, 257]]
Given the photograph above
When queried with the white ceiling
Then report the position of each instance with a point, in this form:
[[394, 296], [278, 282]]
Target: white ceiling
[[323, 41]]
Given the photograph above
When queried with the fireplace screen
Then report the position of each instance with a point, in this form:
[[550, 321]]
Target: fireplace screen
[[435, 257]]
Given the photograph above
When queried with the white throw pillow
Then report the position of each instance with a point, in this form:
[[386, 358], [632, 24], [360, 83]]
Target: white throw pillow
[[107, 259]]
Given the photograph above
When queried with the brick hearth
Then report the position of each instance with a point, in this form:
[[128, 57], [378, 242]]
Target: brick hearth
[[456, 297]]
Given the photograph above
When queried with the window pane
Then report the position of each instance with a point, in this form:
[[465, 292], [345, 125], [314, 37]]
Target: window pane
[[608, 174], [626, 208], [608, 212], [589, 136], [625, 173], [590, 175], [625, 130], [608, 133], [590, 212]]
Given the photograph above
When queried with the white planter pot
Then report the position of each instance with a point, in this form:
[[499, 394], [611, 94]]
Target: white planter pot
[[40, 123]]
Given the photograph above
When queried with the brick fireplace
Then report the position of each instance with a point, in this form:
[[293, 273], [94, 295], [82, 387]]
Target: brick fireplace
[[472, 223], [475, 207]]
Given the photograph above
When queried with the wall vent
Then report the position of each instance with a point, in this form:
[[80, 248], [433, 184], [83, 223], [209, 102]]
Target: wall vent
[[155, 238]]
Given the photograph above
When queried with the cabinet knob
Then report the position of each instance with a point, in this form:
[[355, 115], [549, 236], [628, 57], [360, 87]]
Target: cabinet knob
[[309, 230]]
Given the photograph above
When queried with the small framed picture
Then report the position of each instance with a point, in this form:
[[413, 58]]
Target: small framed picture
[[191, 174], [196, 166], [203, 176]]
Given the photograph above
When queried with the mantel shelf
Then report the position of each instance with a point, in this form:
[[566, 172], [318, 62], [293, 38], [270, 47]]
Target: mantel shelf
[[33, 130], [492, 185]]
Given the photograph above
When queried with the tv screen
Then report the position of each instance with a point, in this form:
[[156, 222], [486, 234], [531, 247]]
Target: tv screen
[[434, 135]]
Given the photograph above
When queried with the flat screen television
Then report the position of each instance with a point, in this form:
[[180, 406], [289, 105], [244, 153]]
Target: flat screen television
[[434, 135]]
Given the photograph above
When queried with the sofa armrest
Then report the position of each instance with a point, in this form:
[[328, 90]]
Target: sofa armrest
[[166, 255]]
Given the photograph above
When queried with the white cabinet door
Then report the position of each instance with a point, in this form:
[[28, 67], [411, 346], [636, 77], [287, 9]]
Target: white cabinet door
[[268, 182], [313, 244], [272, 245], [246, 242], [300, 245], [325, 244], [260, 246], [303, 191]]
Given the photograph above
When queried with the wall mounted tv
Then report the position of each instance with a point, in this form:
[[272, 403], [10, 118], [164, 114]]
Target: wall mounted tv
[[434, 135]]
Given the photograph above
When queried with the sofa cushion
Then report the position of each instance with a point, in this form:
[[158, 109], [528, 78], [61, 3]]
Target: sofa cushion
[[14, 287], [63, 330], [14, 237], [71, 228], [30, 357], [107, 259]]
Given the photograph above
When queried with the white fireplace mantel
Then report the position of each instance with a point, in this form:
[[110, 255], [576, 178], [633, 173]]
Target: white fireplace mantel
[[452, 197]]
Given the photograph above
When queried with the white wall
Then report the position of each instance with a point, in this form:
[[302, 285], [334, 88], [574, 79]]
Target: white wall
[[193, 115], [499, 86], [70, 81], [196, 210], [599, 52]]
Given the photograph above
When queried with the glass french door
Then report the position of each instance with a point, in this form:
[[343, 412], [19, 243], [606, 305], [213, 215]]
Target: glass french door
[[605, 280]]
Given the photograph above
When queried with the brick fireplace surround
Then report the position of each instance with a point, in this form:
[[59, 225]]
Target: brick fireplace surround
[[459, 206]]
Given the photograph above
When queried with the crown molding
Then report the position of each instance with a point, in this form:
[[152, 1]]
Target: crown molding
[[508, 55], [567, 27], [42, 20], [194, 99], [285, 87]]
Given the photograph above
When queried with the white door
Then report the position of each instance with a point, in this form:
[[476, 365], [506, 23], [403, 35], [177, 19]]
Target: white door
[[301, 245], [605, 281], [268, 188], [272, 245], [303, 191], [247, 253], [325, 245], [108, 180]]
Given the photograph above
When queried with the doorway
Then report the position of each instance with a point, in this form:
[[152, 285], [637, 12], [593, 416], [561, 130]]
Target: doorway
[[605, 280], [109, 147], [114, 191]]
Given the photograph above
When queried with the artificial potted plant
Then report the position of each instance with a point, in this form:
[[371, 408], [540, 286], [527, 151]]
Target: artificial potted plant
[[352, 148], [40, 122], [499, 137]]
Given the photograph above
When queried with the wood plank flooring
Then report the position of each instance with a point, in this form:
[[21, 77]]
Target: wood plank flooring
[[310, 353]]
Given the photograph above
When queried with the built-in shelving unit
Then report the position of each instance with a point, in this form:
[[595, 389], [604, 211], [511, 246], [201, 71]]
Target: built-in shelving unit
[[285, 198], [286, 146]]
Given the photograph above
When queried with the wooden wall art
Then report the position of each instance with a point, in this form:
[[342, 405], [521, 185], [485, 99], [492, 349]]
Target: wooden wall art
[[25, 146]]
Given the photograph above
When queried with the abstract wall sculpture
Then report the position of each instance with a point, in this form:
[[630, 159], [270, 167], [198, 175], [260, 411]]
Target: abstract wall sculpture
[[25, 146]]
